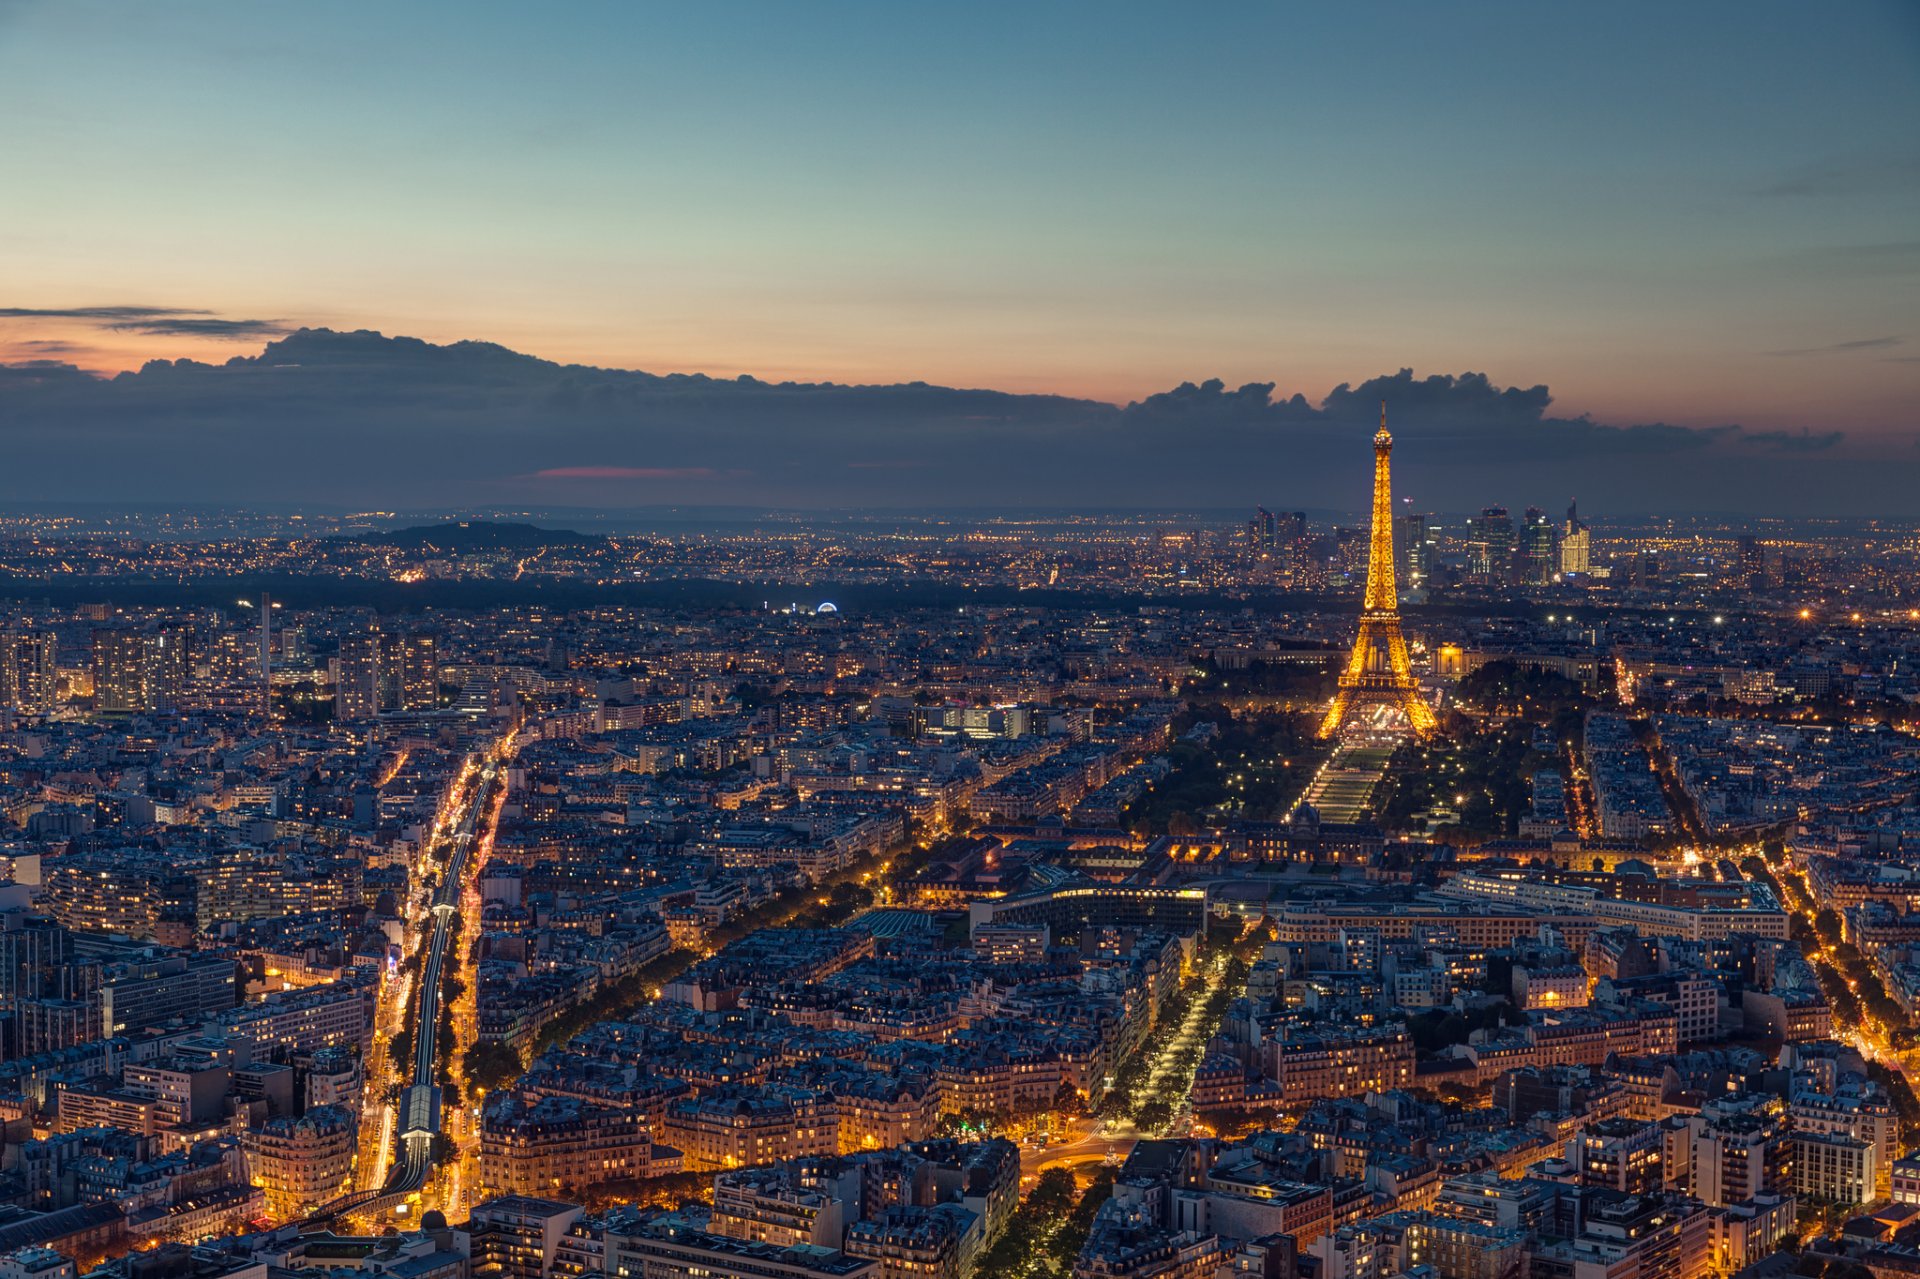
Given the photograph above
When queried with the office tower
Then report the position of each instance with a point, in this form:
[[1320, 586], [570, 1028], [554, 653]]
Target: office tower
[[29, 677], [1290, 535], [1539, 558], [1490, 544], [1262, 531], [136, 673], [1378, 669], [1576, 544], [1414, 548]]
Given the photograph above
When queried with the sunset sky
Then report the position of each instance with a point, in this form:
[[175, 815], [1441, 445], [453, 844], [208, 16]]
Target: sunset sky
[[1697, 214]]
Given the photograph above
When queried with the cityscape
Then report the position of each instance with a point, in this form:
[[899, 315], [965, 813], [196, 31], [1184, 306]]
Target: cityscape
[[1277, 897], [852, 641]]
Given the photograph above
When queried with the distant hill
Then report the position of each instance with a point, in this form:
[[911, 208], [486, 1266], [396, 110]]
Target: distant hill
[[477, 535]]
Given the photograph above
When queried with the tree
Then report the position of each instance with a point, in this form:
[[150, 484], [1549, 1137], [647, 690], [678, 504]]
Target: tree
[[1054, 1193], [491, 1066]]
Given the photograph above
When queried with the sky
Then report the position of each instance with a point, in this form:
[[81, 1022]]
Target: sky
[[1702, 215]]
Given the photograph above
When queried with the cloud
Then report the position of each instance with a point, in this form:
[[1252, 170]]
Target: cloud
[[1841, 348], [324, 417], [26, 374], [108, 315], [1801, 441], [156, 321], [210, 328], [1892, 257], [51, 346], [1856, 177], [624, 473], [1477, 421]]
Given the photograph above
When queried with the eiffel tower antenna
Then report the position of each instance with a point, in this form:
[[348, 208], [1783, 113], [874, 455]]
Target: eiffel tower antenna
[[1378, 670]]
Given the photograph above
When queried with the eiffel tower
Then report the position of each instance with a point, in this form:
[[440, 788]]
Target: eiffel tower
[[1377, 670]]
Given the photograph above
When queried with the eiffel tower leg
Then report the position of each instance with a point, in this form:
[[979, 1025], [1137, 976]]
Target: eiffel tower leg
[[1336, 713], [1418, 713], [1397, 659]]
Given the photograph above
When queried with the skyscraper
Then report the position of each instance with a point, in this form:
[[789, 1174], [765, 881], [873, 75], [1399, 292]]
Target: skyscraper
[[1413, 548], [1490, 544], [1290, 534], [1539, 556], [1261, 532], [1576, 546]]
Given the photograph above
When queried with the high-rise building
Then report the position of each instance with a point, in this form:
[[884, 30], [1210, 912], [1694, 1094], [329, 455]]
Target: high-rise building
[[381, 672], [357, 689], [266, 658], [1351, 547], [1262, 531], [1755, 567], [1539, 557], [1413, 547], [1490, 543], [135, 673], [1290, 534], [29, 676], [418, 682], [1576, 545]]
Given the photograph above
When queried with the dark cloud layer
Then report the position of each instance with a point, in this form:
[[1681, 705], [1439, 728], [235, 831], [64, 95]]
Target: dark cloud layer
[[157, 321], [354, 418], [108, 315], [1861, 176], [205, 328], [1843, 348]]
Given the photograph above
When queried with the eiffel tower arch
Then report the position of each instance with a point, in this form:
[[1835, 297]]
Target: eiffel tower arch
[[1377, 670]]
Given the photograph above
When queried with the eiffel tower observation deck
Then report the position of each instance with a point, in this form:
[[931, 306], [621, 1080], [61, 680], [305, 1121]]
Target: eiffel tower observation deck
[[1378, 671]]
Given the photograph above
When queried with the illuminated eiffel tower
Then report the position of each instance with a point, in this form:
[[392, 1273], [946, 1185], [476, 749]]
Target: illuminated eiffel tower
[[1377, 670]]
